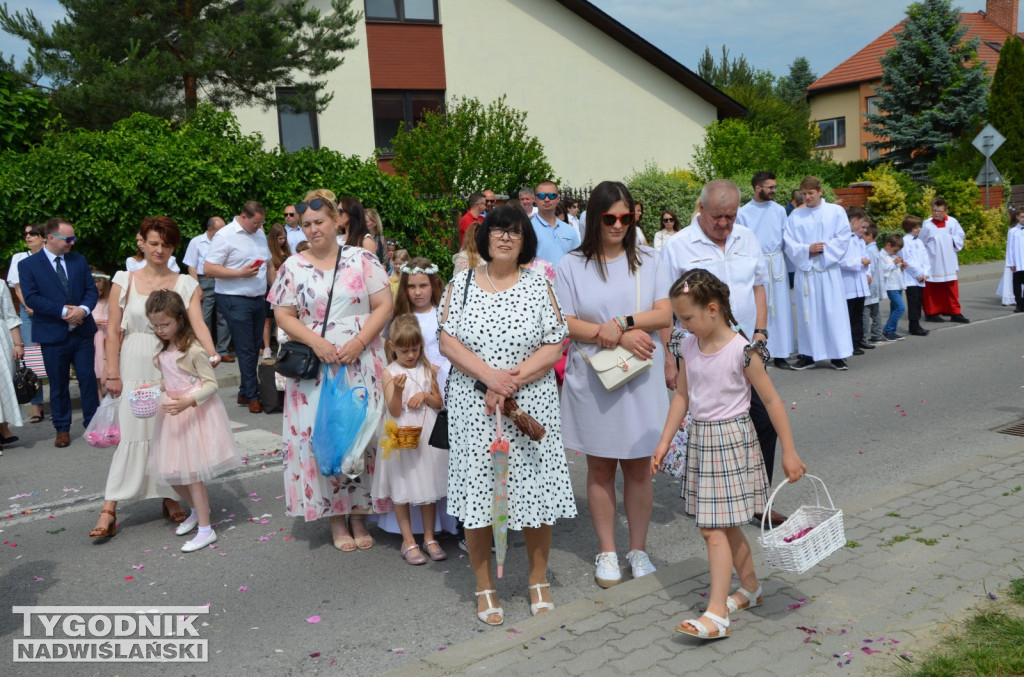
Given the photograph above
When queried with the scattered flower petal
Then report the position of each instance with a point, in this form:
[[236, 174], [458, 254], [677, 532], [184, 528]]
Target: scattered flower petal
[[242, 588], [313, 619]]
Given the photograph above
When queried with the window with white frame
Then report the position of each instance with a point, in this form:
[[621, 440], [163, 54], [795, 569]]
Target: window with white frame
[[832, 133]]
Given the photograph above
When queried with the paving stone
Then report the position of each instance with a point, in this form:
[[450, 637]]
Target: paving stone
[[596, 622], [644, 603], [590, 661], [638, 662], [594, 638]]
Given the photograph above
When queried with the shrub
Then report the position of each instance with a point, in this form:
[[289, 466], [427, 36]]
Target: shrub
[[659, 190], [888, 203], [730, 146]]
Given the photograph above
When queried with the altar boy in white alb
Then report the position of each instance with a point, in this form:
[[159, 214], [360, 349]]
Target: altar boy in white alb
[[817, 238], [766, 218], [942, 237]]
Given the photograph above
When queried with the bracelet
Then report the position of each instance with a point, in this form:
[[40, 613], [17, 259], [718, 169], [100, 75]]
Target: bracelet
[[361, 341], [621, 322], [19, 345], [113, 378]]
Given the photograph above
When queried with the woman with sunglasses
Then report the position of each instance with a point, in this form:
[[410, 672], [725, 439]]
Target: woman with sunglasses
[[613, 291], [669, 227], [358, 309], [129, 366], [34, 240], [502, 329]]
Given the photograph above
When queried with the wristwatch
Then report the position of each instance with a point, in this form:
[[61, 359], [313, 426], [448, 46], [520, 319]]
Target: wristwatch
[[764, 332], [629, 321]]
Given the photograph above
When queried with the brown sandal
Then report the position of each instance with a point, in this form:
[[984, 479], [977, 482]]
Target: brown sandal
[[176, 517], [108, 532]]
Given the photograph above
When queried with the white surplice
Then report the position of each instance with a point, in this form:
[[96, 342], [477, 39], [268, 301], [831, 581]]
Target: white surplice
[[855, 273], [822, 321], [767, 220], [942, 244]]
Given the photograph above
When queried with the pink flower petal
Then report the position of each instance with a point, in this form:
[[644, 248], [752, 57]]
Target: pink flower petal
[[136, 566], [313, 619], [242, 589], [128, 578]]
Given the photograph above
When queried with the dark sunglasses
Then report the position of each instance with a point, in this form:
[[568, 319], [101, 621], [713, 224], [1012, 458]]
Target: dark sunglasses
[[314, 204], [488, 202], [33, 233], [668, 220], [69, 240], [626, 219], [547, 196], [289, 214]]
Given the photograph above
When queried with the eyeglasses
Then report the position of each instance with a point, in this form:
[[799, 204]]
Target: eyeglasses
[[287, 214], [497, 232], [32, 233], [626, 219], [668, 220], [547, 196], [488, 202], [69, 240], [161, 327], [314, 204]]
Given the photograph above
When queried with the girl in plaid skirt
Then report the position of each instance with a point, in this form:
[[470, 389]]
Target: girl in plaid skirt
[[725, 476]]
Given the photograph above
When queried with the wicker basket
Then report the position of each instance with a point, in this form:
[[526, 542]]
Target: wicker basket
[[808, 536], [408, 436], [144, 402]]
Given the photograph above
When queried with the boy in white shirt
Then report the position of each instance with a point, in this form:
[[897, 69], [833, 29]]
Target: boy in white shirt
[[876, 291], [917, 271], [855, 277], [1015, 261], [892, 270]]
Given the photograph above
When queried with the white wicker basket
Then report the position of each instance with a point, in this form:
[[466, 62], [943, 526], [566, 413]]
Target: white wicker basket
[[800, 553], [144, 402]]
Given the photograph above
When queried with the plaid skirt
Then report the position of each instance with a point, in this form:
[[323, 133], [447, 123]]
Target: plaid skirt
[[725, 477]]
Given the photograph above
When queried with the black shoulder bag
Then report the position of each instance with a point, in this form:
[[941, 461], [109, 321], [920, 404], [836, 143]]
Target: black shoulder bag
[[298, 360], [439, 435]]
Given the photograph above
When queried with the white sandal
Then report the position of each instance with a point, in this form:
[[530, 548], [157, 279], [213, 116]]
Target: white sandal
[[755, 598], [490, 611], [541, 605], [721, 627]]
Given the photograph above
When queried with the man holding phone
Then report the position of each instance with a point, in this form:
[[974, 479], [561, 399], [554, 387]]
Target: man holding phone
[[237, 261]]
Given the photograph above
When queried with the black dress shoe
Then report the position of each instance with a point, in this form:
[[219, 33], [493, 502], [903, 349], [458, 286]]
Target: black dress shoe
[[803, 362], [858, 351], [867, 346], [959, 318], [919, 331], [934, 318]]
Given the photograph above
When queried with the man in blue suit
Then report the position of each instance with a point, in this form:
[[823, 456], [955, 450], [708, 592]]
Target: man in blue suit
[[57, 284]]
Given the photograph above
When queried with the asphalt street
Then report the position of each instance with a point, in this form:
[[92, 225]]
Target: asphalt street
[[904, 409]]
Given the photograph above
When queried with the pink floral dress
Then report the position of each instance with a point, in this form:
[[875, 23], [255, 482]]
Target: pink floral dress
[[299, 284]]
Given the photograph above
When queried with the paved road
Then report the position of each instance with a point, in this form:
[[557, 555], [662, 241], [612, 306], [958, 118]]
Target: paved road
[[903, 410]]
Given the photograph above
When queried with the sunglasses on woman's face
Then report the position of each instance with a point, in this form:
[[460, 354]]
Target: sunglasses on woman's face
[[314, 204], [32, 233], [626, 219], [668, 219]]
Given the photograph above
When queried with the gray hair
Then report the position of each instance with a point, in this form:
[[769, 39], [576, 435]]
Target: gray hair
[[525, 191], [716, 191]]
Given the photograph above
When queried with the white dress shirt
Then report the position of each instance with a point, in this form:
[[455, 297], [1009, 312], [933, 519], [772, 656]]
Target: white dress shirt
[[233, 247]]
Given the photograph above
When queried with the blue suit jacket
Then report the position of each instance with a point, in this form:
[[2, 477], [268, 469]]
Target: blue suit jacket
[[45, 296]]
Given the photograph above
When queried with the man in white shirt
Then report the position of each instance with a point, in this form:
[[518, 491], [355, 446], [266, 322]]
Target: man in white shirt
[[526, 198], [237, 260], [195, 257], [292, 228], [766, 218], [942, 237], [731, 253]]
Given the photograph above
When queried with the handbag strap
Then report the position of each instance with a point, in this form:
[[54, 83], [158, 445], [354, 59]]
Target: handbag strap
[[330, 294]]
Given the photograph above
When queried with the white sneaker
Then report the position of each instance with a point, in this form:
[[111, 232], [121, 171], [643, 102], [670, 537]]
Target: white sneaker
[[640, 563], [266, 353], [607, 573]]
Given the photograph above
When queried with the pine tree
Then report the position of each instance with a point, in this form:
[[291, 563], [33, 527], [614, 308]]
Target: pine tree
[[933, 88], [1005, 109], [793, 87], [109, 59]]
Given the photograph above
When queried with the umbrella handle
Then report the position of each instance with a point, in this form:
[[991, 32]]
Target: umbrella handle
[[497, 415]]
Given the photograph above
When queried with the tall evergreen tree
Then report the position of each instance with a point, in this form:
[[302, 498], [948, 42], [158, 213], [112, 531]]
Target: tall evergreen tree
[[1005, 109], [793, 87], [107, 59], [933, 88]]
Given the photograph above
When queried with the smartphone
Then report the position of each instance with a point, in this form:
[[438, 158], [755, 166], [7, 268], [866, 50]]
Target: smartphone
[[256, 264]]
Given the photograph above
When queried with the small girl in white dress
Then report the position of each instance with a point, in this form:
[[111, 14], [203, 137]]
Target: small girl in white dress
[[411, 476]]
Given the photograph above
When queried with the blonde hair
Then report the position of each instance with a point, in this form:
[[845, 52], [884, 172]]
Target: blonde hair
[[404, 332], [469, 246], [330, 201]]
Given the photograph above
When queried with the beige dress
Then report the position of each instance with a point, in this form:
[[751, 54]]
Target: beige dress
[[128, 478]]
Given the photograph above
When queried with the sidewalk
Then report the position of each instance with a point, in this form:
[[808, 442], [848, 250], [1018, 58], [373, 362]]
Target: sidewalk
[[926, 552]]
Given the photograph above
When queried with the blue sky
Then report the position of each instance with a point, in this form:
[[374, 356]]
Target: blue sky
[[770, 33]]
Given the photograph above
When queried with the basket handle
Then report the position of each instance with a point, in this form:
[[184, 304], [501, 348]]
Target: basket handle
[[817, 499]]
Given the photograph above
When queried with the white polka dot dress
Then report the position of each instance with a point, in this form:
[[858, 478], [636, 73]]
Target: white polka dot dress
[[504, 329]]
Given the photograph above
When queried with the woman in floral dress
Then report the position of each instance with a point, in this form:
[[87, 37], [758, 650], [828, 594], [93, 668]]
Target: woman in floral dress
[[361, 305]]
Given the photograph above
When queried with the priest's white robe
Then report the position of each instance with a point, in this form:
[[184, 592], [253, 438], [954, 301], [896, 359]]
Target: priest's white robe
[[822, 320], [767, 220]]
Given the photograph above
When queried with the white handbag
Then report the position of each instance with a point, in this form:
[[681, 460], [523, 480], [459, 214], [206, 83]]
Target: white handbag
[[617, 366]]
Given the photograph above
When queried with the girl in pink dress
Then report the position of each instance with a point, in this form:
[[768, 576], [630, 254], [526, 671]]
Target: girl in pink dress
[[725, 477], [192, 440]]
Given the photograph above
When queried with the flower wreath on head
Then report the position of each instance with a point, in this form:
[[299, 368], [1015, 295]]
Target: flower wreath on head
[[432, 269]]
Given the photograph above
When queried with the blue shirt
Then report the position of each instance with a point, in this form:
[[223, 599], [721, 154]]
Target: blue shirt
[[554, 243]]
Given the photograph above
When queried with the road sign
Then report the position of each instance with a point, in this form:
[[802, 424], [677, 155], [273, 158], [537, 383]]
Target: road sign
[[989, 175], [988, 141]]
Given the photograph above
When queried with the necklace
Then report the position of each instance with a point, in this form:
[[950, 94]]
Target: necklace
[[487, 274]]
